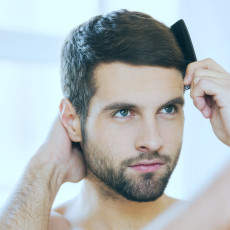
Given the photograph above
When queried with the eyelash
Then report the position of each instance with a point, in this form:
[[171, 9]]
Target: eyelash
[[174, 106], [122, 117]]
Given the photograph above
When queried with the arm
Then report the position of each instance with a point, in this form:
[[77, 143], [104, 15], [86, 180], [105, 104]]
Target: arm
[[210, 92], [210, 210], [31, 202], [55, 162]]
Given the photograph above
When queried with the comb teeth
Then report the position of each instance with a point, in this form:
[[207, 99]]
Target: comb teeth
[[186, 87], [184, 41]]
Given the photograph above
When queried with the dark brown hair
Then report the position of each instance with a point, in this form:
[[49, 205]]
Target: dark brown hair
[[130, 37]]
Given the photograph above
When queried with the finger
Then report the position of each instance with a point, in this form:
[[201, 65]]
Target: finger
[[200, 93], [203, 105], [204, 87], [205, 73], [219, 90], [207, 64], [209, 74]]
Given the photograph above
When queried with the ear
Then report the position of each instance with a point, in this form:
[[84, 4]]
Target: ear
[[70, 120]]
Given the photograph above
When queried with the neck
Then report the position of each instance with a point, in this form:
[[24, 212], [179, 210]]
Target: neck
[[102, 206]]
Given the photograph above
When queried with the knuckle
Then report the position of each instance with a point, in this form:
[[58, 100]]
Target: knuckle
[[199, 86], [189, 65], [202, 82], [209, 60], [199, 73]]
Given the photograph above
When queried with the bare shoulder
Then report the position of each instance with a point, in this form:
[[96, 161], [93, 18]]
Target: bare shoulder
[[58, 222]]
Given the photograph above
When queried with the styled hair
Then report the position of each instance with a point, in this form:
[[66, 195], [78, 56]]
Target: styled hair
[[126, 36]]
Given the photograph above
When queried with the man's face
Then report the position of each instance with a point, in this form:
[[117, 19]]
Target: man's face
[[134, 128]]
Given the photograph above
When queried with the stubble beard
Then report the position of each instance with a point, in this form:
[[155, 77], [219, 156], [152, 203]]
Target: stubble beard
[[144, 187]]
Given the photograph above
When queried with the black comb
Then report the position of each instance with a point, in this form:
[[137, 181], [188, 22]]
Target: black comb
[[184, 41]]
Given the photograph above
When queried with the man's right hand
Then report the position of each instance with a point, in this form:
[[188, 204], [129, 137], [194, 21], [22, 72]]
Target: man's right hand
[[56, 162], [67, 156]]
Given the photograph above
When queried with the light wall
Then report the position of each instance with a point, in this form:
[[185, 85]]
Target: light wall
[[31, 36]]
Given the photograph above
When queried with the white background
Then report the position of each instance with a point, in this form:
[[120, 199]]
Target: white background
[[31, 36]]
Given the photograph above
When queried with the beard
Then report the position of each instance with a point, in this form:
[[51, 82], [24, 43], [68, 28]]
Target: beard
[[141, 187]]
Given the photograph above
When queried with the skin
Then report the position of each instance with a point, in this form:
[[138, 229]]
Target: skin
[[147, 127], [57, 162], [126, 119], [206, 78]]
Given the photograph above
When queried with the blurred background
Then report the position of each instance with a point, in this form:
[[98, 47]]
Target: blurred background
[[31, 36]]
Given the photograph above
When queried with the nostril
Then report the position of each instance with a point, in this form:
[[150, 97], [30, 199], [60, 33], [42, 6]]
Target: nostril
[[143, 148]]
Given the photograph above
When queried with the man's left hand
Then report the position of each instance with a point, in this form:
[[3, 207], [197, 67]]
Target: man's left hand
[[210, 91]]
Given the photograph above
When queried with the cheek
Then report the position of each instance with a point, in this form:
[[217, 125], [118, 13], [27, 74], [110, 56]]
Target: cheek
[[117, 138], [171, 133]]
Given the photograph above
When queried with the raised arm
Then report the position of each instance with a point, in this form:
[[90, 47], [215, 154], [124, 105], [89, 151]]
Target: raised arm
[[56, 162], [210, 92]]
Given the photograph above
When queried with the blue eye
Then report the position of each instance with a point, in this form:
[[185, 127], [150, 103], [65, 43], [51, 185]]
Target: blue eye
[[169, 109], [123, 113]]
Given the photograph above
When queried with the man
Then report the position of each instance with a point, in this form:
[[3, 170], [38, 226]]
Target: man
[[120, 127]]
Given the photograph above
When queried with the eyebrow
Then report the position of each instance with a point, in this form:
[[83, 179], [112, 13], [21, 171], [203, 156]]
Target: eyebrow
[[119, 106], [123, 105], [177, 101]]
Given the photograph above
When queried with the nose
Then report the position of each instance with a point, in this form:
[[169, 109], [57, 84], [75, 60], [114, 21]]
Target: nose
[[148, 138]]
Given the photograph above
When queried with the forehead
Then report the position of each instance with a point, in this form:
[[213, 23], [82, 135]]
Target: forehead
[[120, 81]]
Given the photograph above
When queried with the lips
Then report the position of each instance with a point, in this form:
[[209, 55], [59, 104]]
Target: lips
[[147, 166]]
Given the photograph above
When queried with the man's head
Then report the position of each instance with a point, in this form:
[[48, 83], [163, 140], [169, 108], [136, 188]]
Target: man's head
[[129, 37], [123, 75]]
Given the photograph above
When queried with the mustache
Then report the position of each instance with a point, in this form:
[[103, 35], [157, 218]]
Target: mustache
[[147, 156]]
